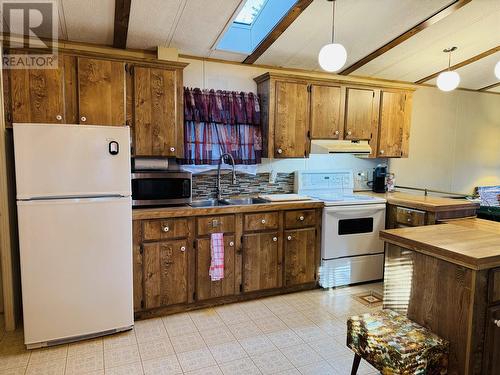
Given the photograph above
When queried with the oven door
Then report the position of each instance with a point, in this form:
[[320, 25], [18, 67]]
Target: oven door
[[352, 230], [157, 189]]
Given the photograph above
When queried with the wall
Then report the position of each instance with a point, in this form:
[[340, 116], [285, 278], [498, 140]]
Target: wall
[[454, 142], [214, 75]]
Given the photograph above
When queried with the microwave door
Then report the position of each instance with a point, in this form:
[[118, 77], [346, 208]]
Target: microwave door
[[154, 189]]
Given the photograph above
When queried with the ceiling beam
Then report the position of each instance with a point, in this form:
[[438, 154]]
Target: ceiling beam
[[122, 14], [461, 64], [486, 88], [279, 29], [437, 16]]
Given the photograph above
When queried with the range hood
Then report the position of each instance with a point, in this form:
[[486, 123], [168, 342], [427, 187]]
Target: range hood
[[326, 146]]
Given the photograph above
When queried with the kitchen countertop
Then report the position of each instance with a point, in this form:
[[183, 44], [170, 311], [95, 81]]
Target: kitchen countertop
[[180, 211], [472, 243], [422, 202]]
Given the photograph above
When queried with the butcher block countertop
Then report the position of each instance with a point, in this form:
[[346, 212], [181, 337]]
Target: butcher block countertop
[[182, 211], [472, 243], [422, 202]]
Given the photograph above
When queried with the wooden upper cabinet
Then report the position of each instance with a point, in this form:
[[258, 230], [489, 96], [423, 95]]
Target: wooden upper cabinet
[[360, 113], [261, 261], [101, 89], [291, 124], [394, 123], [36, 95], [327, 112], [156, 131], [165, 273]]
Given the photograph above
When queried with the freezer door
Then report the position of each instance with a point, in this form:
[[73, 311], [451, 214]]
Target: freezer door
[[56, 160], [76, 267]]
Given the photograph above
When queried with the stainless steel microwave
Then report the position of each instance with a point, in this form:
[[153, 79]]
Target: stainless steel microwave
[[161, 188]]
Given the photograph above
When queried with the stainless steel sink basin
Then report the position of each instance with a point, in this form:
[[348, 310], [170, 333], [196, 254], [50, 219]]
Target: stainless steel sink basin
[[244, 201], [208, 203]]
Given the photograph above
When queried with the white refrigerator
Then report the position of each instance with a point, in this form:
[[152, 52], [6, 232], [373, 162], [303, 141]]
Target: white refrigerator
[[75, 231]]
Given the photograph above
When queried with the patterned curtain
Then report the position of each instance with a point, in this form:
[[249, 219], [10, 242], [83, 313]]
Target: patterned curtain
[[216, 122]]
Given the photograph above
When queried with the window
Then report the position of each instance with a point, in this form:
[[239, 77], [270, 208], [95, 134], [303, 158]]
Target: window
[[252, 24]]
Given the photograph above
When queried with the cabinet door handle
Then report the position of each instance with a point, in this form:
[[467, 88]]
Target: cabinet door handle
[[231, 244], [172, 149], [183, 248], [382, 152], [166, 229], [301, 218], [408, 219], [349, 132], [59, 117], [280, 151], [83, 118], [263, 221], [275, 239], [497, 322], [289, 238], [336, 132]]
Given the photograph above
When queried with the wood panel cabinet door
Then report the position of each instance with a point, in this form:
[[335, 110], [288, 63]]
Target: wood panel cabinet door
[[327, 112], [360, 113], [291, 120], [36, 95], [261, 261], [205, 287], [300, 256], [165, 279], [101, 92], [492, 342], [155, 129], [394, 123]]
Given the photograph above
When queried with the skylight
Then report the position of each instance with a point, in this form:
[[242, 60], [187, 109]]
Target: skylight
[[252, 24], [249, 12]]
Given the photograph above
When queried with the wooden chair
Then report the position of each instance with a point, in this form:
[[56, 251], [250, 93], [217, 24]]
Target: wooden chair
[[393, 344]]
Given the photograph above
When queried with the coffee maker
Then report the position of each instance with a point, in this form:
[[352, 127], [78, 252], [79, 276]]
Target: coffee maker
[[379, 178]]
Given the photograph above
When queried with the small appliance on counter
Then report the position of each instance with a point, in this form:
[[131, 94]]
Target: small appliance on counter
[[159, 181], [379, 179]]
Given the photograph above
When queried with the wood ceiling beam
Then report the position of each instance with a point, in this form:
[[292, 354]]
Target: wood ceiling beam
[[279, 29], [461, 64], [489, 87], [122, 14], [437, 16]]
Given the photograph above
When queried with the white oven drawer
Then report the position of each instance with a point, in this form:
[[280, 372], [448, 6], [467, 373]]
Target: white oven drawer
[[352, 270]]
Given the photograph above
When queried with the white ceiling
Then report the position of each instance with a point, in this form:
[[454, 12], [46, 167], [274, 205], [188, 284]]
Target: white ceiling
[[194, 26]]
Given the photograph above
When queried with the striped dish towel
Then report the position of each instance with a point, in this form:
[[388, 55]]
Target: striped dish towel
[[216, 271]]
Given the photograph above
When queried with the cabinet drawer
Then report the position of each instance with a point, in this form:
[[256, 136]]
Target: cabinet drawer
[[215, 224], [410, 217], [261, 221], [494, 281], [300, 219], [165, 229]]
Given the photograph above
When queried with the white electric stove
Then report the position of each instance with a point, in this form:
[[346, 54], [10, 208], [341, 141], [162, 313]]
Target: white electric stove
[[351, 251]]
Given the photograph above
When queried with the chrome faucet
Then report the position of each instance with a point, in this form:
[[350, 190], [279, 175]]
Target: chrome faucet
[[233, 181]]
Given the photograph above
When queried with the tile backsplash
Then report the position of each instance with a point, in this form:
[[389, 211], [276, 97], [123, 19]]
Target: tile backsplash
[[246, 184]]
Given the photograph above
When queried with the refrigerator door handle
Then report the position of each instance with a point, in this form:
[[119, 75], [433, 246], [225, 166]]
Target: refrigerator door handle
[[114, 148]]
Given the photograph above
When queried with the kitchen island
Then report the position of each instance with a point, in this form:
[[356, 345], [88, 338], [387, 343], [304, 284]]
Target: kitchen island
[[446, 277]]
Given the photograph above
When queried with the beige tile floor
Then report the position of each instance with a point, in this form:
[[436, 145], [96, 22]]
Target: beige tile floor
[[299, 333]]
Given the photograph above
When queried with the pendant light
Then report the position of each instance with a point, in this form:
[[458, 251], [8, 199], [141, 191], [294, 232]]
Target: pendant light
[[448, 80], [332, 57], [497, 70]]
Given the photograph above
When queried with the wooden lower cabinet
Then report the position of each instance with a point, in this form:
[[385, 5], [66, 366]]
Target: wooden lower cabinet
[[205, 287], [172, 255], [262, 260], [300, 257], [492, 342], [165, 273]]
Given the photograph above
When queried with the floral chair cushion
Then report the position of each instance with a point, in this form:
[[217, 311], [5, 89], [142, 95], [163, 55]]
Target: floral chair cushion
[[393, 344]]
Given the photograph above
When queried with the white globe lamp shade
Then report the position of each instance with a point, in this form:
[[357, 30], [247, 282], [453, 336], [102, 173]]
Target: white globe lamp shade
[[332, 57], [497, 70], [448, 81]]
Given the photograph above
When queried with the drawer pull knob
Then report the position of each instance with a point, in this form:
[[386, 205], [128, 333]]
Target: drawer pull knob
[[289, 238], [231, 244], [59, 117], [263, 221], [83, 118], [275, 239], [280, 151], [408, 219], [172, 149], [336, 132], [183, 248], [382, 152], [301, 218], [497, 322], [166, 229], [349, 132]]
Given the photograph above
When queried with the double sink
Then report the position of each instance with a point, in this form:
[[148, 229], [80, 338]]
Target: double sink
[[227, 202]]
